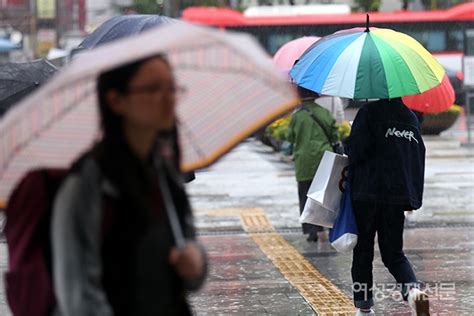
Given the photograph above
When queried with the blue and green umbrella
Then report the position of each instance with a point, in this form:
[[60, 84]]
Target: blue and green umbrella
[[366, 63]]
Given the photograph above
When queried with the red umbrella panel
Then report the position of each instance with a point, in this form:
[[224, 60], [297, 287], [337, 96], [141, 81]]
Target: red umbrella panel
[[437, 99]]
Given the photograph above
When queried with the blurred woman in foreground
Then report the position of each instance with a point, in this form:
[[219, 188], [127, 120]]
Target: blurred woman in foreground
[[114, 252]]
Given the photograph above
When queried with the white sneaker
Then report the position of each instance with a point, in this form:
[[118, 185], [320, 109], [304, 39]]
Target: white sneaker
[[419, 303], [364, 313]]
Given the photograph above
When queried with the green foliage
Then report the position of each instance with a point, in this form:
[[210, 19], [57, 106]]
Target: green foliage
[[279, 128], [453, 110], [435, 123], [343, 129], [152, 7], [206, 3], [441, 4], [147, 7], [367, 5]]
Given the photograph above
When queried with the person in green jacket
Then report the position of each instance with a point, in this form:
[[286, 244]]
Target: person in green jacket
[[310, 138]]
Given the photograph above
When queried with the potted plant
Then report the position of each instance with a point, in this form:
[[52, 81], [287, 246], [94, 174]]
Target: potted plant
[[435, 123], [343, 129], [276, 132]]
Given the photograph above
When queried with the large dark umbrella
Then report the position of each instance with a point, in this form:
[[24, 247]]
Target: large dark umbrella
[[19, 79], [123, 26]]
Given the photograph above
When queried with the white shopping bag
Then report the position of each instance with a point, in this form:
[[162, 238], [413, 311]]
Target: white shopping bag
[[324, 194]]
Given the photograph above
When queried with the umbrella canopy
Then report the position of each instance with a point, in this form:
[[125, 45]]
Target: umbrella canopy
[[123, 26], [286, 55], [437, 99], [6, 46], [368, 63], [232, 86], [289, 53], [17, 80]]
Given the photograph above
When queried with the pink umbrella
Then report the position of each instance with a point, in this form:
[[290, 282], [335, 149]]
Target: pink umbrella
[[436, 99], [286, 56]]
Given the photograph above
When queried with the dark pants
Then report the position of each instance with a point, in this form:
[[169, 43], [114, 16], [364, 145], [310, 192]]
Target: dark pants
[[303, 187], [387, 221]]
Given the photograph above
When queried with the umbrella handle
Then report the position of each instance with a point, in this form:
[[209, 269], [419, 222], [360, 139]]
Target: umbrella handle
[[170, 208]]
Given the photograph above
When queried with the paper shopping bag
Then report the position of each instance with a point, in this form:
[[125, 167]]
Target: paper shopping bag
[[325, 192]]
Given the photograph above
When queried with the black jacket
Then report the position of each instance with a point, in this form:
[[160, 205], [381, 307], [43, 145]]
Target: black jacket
[[387, 155]]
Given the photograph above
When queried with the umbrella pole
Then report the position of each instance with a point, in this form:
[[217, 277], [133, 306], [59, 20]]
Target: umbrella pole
[[170, 208], [467, 116]]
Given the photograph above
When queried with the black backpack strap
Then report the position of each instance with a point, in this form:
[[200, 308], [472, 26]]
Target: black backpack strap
[[337, 146], [318, 122]]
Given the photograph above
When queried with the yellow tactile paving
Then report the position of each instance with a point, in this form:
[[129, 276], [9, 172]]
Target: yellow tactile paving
[[257, 222], [323, 296]]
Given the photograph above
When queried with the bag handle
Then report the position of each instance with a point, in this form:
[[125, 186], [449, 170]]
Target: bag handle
[[344, 178]]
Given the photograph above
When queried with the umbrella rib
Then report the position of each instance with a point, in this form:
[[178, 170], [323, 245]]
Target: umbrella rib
[[207, 68], [16, 93], [16, 80], [268, 83], [213, 69], [192, 139], [41, 130], [206, 46]]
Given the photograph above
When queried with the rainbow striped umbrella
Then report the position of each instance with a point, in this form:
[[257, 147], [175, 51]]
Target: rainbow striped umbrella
[[437, 99], [366, 63]]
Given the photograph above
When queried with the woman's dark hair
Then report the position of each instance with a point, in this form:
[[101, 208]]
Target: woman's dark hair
[[117, 79], [128, 174]]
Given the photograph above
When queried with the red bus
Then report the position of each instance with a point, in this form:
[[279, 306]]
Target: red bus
[[442, 32]]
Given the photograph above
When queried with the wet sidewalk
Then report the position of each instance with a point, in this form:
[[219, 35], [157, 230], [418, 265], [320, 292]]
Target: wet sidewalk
[[244, 281]]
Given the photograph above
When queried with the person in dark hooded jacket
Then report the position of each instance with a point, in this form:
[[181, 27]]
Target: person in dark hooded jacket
[[386, 170]]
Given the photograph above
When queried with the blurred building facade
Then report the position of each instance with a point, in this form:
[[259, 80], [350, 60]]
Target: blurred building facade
[[98, 11], [38, 25], [17, 25], [386, 5]]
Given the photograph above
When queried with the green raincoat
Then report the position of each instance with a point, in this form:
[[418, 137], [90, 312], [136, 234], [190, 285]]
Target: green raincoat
[[309, 140]]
